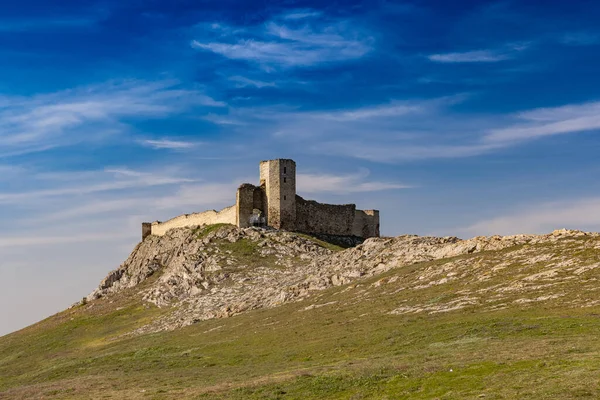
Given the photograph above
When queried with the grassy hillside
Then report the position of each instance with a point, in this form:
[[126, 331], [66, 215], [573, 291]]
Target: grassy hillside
[[386, 337]]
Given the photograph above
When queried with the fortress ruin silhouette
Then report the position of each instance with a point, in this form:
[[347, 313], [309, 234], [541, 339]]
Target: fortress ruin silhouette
[[274, 203]]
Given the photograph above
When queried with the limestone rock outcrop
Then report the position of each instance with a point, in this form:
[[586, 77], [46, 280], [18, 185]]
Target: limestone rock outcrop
[[216, 272]]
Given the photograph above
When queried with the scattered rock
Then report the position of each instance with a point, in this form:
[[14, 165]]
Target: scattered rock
[[232, 270]]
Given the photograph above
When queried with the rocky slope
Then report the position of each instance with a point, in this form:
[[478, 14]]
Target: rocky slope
[[215, 272]]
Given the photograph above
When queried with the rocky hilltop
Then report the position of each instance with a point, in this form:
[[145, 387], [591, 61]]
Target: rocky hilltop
[[512, 317], [219, 271]]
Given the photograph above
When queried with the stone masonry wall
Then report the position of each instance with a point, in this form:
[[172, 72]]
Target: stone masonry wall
[[264, 177], [225, 216], [317, 218], [264, 172], [366, 224], [146, 230], [279, 177], [287, 194], [245, 204]]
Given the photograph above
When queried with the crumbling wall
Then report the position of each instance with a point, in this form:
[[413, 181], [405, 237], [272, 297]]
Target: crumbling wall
[[146, 230], [245, 204], [366, 224], [318, 218], [264, 172], [225, 216], [260, 199]]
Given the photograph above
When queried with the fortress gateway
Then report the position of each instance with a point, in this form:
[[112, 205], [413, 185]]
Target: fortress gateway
[[274, 203]]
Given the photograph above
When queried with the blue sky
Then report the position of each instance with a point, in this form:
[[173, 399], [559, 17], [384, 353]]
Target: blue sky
[[453, 118]]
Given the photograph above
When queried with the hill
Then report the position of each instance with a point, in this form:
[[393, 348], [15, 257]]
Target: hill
[[223, 312]]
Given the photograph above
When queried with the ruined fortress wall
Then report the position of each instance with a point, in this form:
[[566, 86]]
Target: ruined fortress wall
[[264, 172], [339, 220], [366, 224], [225, 216], [278, 203], [318, 218], [146, 230], [268, 176], [245, 204], [264, 177]]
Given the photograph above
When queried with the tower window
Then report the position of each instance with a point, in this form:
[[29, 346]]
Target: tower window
[[284, 180], [285, 197], [285, 170]]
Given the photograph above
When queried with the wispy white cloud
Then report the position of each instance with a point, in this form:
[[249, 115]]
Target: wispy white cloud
[[542, 122], [393, 151], [161, 144], [409, 130], [282, 42], [283, 54], [389, 132], [395, 109], [343, 184], [182, 198], [42, 122], [540, 218], [510, 130], [301, 14], [477, 56], [580, 38], [197, 197], [225, 120], [481, 56], [8, 172], [242, 81], [32, 241], [290, 116], [69, 184]]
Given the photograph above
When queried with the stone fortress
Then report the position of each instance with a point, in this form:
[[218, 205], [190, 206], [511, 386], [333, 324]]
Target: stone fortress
[[274, 203]]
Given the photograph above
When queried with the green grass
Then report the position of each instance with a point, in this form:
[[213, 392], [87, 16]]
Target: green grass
[[247, 255], [242, 248], [322, 243], [203, 230], [351, 348]]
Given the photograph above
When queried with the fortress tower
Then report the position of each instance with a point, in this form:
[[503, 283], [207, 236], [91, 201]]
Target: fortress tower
[[278, 180], [274, 203]]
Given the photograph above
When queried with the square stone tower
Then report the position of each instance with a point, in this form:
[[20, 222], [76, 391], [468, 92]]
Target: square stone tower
[[278, 177]]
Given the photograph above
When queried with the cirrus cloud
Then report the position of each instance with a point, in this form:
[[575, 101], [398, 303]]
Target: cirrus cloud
[[65, 118], [295, 39], [168, 144], [345, 183]]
